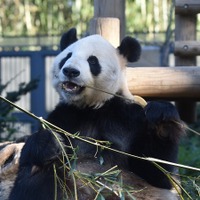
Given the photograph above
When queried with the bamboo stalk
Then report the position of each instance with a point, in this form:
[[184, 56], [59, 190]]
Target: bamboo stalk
[[74, 136]]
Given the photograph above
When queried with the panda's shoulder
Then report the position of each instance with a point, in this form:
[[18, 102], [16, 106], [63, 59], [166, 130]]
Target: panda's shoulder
[[62, 110], [123, 107], [122, 103], [117, 107]]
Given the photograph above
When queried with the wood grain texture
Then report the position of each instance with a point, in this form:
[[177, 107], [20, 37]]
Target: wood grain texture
[[187, 7], [187, 48], [185, 30], [108, 28], [164, 82], [113, 9]]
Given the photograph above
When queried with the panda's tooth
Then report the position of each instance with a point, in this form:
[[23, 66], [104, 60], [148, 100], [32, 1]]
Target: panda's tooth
[[70, 87], [63, 86]]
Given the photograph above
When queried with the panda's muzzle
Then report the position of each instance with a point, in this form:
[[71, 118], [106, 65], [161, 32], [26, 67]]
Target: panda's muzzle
[[71, 87], [70, 72]]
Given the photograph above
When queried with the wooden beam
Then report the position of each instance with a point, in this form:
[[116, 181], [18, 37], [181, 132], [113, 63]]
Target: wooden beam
[[187, 48], [191, 7], [169, 83]]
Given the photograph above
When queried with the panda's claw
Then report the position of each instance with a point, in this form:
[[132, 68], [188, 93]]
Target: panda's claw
[[139, 100]]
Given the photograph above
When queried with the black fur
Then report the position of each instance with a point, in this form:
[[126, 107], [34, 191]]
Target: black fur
[[63, 61], [130, 49], [68, 38], [128, 127], [95, 67]]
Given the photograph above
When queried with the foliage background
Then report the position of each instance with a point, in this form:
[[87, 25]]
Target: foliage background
[[150, 18]]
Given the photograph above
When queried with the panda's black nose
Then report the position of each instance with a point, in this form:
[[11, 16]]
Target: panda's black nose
[[70, 72]]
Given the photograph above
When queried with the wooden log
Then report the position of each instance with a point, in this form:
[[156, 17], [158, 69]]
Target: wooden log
[[171, 83], [107, 27], [9, 162], [190, 7], [186, 48], [111, 8], [141, 189]]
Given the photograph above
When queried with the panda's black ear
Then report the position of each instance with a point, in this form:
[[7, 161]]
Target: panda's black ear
[[68, 38], [130, 48]]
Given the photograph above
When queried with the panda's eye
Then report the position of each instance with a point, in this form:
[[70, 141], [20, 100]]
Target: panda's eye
[[95, 67], [62, 62], [92, 60]]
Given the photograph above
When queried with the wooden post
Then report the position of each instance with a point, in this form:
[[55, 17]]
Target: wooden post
[[187, 7], [111, 8], [107, 28], [185, 30], [109, 20]]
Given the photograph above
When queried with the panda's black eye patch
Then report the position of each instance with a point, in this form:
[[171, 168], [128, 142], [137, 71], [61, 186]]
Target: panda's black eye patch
[[62, 62], [95, 67], [92, 60]]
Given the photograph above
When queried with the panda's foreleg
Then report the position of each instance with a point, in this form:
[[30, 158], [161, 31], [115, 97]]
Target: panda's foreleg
[[164, 120], [164, 128], [41, 148], [36, 177]]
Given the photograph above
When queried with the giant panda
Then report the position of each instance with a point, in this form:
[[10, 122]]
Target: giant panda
[[95, 104]]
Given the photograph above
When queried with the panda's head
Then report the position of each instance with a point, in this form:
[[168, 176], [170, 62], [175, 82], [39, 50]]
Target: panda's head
[[89, 63]]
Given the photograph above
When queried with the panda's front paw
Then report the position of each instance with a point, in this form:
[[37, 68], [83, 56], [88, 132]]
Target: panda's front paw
[[164, 119], [160, 111], [41, 148]]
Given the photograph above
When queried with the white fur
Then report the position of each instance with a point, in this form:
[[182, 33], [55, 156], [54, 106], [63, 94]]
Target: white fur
[[111, 79]]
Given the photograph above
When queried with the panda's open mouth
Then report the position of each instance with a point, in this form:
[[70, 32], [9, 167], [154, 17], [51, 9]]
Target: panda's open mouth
[[71, 87]]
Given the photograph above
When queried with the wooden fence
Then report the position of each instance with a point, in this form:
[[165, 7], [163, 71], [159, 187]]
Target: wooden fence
[[177, 83], [29, 65], [186, 49]]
